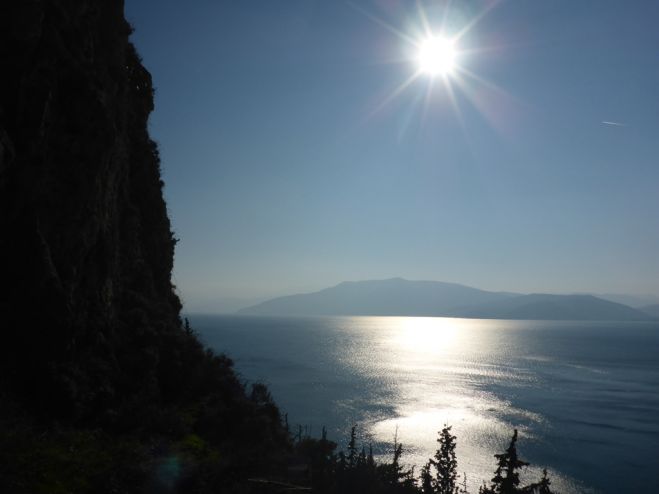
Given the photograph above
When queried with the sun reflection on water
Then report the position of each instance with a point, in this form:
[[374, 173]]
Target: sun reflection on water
[[421, 335], [435, 371]]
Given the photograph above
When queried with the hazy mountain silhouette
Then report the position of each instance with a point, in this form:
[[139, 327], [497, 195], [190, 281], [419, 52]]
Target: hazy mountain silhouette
[[557, 307], [392, 297], [651, 310], [635, 301], [400, 297]]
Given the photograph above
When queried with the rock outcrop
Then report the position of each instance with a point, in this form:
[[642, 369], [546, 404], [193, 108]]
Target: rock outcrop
[[86, 249]]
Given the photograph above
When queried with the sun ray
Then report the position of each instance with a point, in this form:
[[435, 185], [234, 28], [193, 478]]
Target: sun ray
[[496, 105], [399, 89], [426, 100], [454, 104], [424, 19], [385, 25], [447, 9], [489, 84], [470, 25]]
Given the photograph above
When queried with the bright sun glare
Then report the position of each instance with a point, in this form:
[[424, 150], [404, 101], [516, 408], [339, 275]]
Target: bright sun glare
[[440, 58], [436, 56]]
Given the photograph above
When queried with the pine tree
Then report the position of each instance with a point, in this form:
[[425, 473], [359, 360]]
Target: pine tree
[[370, 461], [395, 464], [341, 464], [394, 473], [427, 481], [361, 459], [445, 463], [506, 476], [541, 487], [352, 449], [463, 486]]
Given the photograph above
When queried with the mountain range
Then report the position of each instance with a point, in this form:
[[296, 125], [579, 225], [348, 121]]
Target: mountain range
[[401, 297]]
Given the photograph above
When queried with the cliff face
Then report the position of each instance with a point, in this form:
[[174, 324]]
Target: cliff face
[[86, 248], [101, 387]]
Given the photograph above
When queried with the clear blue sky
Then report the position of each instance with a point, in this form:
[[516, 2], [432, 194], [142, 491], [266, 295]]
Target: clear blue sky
[[290, 167]]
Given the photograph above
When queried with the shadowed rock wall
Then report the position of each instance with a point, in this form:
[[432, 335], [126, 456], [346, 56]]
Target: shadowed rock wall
[[86, 247]]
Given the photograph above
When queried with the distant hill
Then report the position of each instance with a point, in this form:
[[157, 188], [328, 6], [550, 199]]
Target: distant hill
[[651, 310], [400, 297], [635, 301], [557, 307], [392, 297]]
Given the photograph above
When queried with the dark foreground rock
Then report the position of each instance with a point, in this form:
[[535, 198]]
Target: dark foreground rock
[[102, 388]]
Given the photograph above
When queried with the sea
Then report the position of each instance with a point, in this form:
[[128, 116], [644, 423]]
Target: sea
[[584, 396]]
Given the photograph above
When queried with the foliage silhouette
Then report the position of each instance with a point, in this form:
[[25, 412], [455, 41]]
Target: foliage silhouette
[[334, 473], [506, 476], [445, 463]]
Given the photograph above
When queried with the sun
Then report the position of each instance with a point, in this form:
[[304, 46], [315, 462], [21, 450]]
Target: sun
[[436, 56]]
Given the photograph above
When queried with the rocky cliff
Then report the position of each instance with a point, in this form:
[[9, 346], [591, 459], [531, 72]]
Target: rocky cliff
[[101, 386], [86, 248]]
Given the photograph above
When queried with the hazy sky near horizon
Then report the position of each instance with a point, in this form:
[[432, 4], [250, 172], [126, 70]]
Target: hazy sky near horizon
[[292, 162]]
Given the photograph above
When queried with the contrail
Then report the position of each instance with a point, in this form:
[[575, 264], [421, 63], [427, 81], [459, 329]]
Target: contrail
[[617, 124]]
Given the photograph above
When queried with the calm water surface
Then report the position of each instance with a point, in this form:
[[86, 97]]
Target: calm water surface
[[584, 396]]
